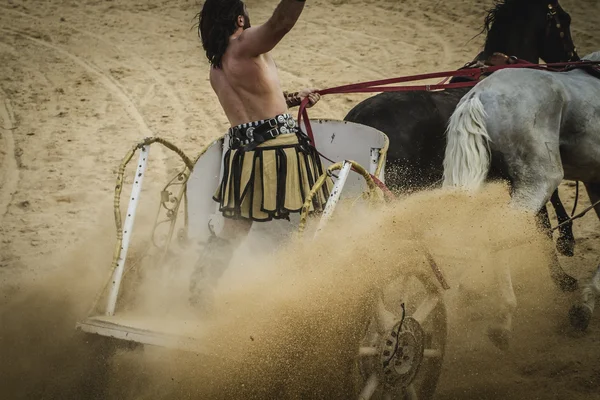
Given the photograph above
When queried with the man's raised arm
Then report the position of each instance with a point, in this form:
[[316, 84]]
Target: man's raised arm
[[255, 41]]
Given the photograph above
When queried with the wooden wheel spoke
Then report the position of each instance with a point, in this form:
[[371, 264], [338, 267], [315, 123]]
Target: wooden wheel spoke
[[367, 351], [370, 387], [425, 308], [385, 319]]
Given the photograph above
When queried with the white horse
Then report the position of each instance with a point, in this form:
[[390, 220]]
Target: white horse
[[533, 128]]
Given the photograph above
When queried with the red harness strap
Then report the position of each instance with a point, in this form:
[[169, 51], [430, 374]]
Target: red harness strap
[[474, 73]]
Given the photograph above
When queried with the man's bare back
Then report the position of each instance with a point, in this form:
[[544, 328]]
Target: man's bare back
[[248, 88]]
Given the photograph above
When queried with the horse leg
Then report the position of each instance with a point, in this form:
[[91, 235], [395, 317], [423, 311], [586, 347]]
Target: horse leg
[[564, 281], [499, 332], [581, 314], [565, 244], [593, 190], [531, 189]]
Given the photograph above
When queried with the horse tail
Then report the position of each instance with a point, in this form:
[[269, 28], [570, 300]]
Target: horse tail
[[467, 158]]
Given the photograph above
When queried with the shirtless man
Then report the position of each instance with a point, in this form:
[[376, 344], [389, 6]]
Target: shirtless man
[[270, 166]]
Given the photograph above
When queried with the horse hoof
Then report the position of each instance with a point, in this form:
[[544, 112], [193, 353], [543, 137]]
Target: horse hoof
[[566, 283], [499, 337], [580, 317], [565, 247]]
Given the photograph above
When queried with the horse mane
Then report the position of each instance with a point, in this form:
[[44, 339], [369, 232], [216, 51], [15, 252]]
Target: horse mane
[[500, 10]]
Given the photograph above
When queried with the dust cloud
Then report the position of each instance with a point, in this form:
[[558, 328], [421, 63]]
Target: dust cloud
[[42, 355], [286, 324]]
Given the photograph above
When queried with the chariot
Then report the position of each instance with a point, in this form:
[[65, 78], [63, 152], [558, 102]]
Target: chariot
[[399, 355]]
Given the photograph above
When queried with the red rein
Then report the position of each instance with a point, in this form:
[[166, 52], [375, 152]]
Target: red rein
[[376, 87]]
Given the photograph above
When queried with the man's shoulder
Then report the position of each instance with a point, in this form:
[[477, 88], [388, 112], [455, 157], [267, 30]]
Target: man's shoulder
[[236, 51], [240, 45], [239, 42]]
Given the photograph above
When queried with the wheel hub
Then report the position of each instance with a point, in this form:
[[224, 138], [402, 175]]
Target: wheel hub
[[400, 354]]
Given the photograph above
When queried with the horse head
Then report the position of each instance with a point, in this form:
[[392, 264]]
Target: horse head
[[558, 43], [530, 30]]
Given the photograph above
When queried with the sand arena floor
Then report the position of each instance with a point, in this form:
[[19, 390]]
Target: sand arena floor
[[82, 81]]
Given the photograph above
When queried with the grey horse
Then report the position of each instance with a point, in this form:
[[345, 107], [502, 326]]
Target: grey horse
[[533, 128]]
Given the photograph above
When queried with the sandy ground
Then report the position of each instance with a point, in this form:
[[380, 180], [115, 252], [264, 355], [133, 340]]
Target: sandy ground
[[81, 82]]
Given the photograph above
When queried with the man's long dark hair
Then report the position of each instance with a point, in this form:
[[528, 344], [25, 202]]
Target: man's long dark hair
[[217, 22]]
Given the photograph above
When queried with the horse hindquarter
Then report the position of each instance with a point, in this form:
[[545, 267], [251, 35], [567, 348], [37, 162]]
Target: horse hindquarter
[[520, 113]]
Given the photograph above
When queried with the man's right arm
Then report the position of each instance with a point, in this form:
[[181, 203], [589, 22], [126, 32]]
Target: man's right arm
[[258, 40]]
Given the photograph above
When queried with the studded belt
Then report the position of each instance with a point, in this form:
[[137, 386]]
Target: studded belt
[[249, 135]]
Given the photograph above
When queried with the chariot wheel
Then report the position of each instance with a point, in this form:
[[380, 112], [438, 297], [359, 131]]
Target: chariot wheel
[[403, 339]]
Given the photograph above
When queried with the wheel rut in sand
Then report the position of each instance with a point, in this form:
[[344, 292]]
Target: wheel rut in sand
[[9, 171], [147, 68], [110, 83], [161, 84]]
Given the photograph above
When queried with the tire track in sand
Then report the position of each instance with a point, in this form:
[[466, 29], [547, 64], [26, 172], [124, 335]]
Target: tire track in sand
[[188, 111], [9, 171], [147, 68], [113, 86], [181, 113]]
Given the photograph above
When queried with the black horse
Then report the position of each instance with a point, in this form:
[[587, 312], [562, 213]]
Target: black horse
[[415, 121]]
